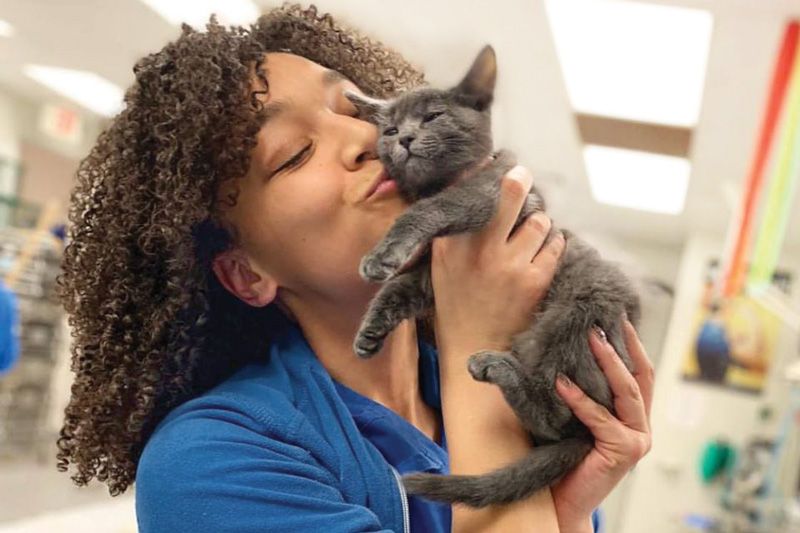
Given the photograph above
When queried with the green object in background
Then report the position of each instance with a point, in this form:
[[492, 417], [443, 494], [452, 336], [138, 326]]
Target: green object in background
[[717, 457]]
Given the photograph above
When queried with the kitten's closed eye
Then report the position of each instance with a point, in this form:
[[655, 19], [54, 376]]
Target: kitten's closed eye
[[431, 116], [390, 131]]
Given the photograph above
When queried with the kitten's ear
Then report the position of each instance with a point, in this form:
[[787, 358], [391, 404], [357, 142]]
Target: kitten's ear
[[478, 84], [369, 109]]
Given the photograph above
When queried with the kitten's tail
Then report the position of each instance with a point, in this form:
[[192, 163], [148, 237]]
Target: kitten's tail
[[539, 469]]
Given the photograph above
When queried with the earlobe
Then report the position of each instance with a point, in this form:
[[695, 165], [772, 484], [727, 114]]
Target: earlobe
[[234, 273]]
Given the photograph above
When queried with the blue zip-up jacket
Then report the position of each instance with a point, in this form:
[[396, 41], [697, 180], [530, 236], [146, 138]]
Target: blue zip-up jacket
[[276, 448]]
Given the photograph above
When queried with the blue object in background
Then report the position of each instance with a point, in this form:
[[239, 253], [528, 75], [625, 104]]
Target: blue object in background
[[713, 350], [59, 231], [699, 522], [9, 329]]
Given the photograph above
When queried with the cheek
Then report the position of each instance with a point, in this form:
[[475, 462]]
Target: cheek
[[301, 213], [306, 235], [300, 230], [384, 145]]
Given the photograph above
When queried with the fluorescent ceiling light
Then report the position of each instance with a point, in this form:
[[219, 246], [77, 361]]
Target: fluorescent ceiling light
[[196, 12], [637, 61], [6, 29], [638, 180], [86, 88]]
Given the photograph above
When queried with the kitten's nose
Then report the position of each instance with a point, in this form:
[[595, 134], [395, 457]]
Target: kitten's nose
[[406, 141]]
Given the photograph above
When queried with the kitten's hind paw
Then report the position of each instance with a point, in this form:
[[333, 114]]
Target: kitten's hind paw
[[378, 267], [489, 366]]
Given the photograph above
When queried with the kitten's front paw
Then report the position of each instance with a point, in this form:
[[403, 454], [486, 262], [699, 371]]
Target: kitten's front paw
[[368, 342], [380, 265]]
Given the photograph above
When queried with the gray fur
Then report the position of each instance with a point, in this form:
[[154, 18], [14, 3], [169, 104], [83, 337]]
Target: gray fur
[[447, 169]]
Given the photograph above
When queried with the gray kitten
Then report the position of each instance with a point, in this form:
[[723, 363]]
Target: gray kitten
[[437, 145]]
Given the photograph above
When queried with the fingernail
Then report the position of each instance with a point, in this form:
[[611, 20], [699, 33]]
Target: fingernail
[[520, 174], [564, 380], [600, 334]]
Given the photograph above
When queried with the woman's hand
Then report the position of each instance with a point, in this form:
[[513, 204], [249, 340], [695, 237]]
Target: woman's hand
[[488, 284], [620, 442]]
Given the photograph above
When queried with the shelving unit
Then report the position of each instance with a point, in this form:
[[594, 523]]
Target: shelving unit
[[29, 263]]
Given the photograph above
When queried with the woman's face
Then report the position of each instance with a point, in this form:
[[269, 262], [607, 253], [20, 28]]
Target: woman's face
[[304, 216]]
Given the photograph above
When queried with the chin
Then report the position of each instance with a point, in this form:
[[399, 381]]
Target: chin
[[383, 216]]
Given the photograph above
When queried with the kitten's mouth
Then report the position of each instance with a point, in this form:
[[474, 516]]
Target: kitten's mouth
[[404, 157]]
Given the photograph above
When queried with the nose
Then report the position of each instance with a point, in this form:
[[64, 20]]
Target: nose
[[407, 140], [359, 141]]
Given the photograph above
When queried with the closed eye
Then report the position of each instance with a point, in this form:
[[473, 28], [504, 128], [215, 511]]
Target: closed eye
[[294, 160], [432, 116], [390, 131]]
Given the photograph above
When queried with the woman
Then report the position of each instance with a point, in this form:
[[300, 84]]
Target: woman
[[212, 285]]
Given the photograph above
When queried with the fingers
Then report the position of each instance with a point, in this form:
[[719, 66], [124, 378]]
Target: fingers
[[628, 401], [603, 425], [622, 445], [514, 188], [643, 371], [543, 266], [529, 237], [619, 444]]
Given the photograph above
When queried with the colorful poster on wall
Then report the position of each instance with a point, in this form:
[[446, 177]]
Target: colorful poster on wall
[[734, 339]]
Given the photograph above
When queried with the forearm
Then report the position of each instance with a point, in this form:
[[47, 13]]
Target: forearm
[[483, 434]]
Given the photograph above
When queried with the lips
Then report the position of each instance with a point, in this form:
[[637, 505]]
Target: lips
[[383, 176]]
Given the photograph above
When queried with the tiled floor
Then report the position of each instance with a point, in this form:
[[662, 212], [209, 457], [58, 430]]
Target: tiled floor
[[36, 498]]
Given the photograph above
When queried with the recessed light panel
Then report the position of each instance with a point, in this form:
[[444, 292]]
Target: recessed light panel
[[85, 88], [637, 180], [632, 60]]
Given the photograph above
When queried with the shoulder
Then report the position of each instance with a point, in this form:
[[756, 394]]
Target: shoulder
[[243, 457], [240, 446], [244, 408]]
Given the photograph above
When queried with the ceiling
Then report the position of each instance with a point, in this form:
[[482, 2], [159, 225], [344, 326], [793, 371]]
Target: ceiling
[[532, 113]]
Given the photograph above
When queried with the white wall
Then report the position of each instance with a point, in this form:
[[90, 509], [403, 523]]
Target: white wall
[[9, 144]]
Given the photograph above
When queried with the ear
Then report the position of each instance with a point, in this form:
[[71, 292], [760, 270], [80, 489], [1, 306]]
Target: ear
[[369, 109], [233, 271], [478, 84]]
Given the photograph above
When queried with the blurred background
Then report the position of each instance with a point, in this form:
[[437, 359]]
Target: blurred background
[[665, 132]]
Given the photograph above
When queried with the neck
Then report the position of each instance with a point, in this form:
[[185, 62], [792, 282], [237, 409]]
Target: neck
[[390, 378]]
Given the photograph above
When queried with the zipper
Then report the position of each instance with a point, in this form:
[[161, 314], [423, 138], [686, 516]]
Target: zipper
[[403, 500]]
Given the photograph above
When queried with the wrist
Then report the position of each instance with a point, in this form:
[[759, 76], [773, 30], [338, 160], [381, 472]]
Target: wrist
[[580, 526], [481, 405], [454, 355], [572, 521], [456, 342]]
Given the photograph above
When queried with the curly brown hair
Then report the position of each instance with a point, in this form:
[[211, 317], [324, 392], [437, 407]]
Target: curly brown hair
[[151, 327]]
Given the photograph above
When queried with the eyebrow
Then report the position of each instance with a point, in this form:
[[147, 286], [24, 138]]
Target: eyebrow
[[273, 109]]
